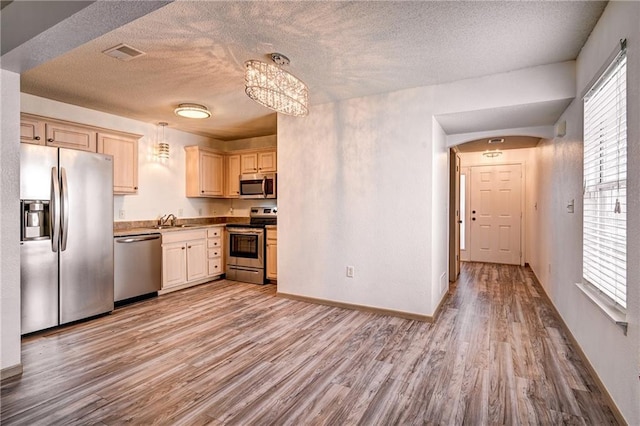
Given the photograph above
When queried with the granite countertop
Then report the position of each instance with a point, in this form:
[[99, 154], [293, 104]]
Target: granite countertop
[[146, 227]]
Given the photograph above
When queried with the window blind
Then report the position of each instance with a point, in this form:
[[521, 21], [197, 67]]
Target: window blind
[[605, 183]]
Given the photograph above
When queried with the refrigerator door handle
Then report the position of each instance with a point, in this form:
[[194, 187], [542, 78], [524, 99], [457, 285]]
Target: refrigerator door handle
[[64, 211], [54, 215]]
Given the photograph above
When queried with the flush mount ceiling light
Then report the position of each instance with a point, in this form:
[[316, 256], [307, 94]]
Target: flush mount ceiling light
[[496, 140], [192, 111], [271, 86], [492, 153]]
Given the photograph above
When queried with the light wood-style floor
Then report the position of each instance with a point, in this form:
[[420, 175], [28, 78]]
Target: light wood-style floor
[[232, 353]]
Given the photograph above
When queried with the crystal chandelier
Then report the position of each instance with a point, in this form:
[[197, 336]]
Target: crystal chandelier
[[275, 88]]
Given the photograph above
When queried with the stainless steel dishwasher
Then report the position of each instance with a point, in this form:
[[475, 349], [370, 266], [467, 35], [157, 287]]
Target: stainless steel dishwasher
[[137, 266]]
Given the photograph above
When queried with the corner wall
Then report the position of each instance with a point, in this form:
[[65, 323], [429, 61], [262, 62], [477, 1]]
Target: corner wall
[[10, 224], [558, 264], [355, 189]]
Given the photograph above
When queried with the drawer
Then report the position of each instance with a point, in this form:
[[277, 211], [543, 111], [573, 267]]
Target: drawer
[[214, 232], [176, 236], [214, 252], [214, 242], [214, 266]]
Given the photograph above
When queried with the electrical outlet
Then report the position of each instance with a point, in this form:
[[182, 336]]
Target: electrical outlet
[[180, 212], [121, 214], [350, 271]]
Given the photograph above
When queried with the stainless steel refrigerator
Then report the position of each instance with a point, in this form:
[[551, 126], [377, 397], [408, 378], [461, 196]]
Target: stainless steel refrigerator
[[66, 247]]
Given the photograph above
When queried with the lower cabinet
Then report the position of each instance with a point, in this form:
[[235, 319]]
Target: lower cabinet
[[272, 254], [187, 257]]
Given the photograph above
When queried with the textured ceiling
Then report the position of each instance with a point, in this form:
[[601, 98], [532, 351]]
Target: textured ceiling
[[195, 52]]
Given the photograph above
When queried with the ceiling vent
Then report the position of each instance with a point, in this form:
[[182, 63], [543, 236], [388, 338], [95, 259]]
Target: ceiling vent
[[123, 52]]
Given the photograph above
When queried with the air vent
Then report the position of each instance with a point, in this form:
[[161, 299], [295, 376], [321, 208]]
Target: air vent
[[496, 140], [123, 52]]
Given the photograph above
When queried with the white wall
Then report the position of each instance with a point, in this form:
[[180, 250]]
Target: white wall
[[439, 216], [10, 223], [615, 356], [161, 184], [356, 185]]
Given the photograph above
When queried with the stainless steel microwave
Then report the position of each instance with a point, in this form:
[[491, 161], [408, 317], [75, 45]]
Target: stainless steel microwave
[[261, 185]]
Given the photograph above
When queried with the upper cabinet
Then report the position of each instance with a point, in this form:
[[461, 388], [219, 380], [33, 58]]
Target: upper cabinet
[[216, 174], [249, 163], [62, 134], [124, 149], [32, 130], [65, 135], [232, 182], [267, 162], [204, 172], [122, 146], [258, 162]]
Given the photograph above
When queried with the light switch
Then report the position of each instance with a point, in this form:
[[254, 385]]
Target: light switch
[[570, 206]]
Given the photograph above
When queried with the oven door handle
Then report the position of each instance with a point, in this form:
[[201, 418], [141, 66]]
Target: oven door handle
[[244, 231]]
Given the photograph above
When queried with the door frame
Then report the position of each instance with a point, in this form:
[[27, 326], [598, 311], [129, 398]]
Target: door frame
[[523, 243], [523, 197], [454, 211]]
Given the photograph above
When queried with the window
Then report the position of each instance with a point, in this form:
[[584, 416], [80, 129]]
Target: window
[[604, 248]]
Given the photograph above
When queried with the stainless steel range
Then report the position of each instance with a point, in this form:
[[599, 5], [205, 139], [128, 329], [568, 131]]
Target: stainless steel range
[[246, 246]]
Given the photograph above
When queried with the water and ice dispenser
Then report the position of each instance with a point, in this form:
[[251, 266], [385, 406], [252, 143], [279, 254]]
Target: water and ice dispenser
[[35, 220]]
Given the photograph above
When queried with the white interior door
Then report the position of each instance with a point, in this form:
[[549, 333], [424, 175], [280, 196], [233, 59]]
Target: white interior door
[[496, 214]]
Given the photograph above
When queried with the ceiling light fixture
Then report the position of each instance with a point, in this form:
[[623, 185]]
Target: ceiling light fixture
[[492, 153], [192, 111], [496, 140], [271, 86], [162, 148]]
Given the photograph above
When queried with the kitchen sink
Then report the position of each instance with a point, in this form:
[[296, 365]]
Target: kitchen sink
[[173, 226]]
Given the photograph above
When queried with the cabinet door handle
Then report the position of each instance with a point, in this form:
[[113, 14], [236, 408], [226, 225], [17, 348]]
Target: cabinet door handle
[[37, 138], [188, 246], [182, 247], [50, 140], [135, 187]]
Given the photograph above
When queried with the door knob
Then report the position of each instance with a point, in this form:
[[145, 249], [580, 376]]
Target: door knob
[[459, 221]]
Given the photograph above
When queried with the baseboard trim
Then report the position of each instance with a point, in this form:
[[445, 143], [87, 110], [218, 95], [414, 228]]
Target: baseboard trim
[[363, 308], [614, 408], [10, 372]]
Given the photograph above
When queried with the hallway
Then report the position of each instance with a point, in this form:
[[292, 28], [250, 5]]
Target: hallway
[[233, 353]]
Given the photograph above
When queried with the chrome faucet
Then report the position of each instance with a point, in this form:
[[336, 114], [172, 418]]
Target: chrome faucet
[[166, 218]]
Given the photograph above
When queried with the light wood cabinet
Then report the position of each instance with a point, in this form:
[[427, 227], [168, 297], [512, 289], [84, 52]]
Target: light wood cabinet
[[124, 150], [174, 264], [58, 133], [215, 263], [68, 135], [272, 253], [232, 182], [249, 163], [196, 260], [32, 130], [184, 258], [258, 162], [204, 172], [122, 146], [267, 162]]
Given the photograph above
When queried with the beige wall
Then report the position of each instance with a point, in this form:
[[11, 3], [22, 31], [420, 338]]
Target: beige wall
[[10, 223], [558, 263]]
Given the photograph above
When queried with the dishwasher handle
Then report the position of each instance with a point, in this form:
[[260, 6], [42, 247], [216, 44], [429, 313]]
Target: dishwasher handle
[[137, 239]]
